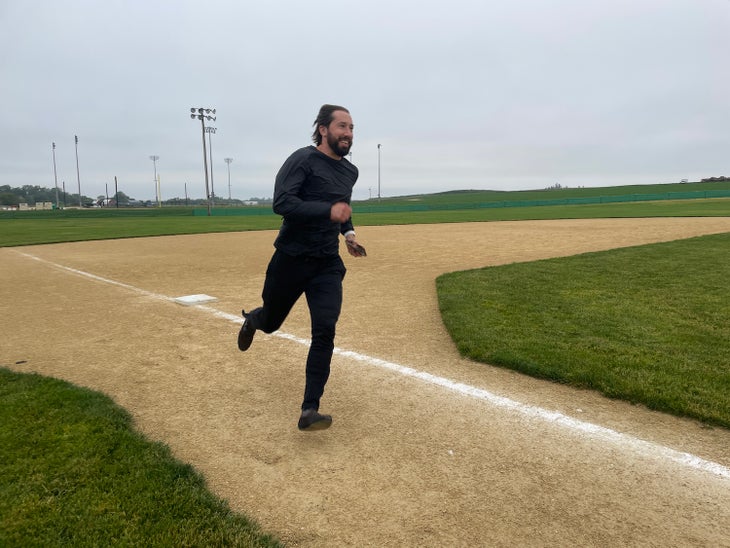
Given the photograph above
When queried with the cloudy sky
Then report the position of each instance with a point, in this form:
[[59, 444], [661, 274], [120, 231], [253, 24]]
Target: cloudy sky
[[461, 94]]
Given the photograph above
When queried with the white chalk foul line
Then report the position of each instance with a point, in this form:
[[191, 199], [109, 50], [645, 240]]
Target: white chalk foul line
[[590, 430]]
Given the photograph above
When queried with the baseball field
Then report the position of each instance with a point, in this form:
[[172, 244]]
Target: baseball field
[[426, 448]]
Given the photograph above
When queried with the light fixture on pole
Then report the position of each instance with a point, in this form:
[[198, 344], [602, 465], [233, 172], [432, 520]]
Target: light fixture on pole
[[378, 171], [55, 176], [228, 161], [204, 114], [157, 183], [210, 130], [78, 177]]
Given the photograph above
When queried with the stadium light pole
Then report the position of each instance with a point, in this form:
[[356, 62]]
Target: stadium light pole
[[210, 130], [378, 171], [228, 161], [55, 176], [157, 184], [78, 177], [204, 114]]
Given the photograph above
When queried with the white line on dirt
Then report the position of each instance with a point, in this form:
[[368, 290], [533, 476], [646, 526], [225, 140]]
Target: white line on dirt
[[591, 431]]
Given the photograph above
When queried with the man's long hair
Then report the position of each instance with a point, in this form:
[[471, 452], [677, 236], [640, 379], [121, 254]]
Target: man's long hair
[[324, 118]]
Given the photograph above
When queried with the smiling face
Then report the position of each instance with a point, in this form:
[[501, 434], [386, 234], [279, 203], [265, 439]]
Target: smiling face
[[337, 137]]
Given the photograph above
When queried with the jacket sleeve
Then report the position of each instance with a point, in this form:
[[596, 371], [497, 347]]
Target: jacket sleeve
[[287, 202], [346, 226]]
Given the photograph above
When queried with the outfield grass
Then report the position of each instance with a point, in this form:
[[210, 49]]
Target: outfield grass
[[53, 226], [30, 228], [679, 208], [648, 324], [485, 196], [73, 472], [30, 231]]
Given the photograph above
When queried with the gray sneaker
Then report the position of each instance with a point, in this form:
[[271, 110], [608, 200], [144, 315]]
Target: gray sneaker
[[312, 419]]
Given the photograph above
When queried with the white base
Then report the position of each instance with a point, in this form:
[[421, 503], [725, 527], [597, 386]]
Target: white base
[[189, 300]]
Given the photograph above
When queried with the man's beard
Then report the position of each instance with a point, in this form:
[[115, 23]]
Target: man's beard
[[341, 148]]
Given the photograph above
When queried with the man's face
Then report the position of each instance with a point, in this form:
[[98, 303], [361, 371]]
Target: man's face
[[339, 133]]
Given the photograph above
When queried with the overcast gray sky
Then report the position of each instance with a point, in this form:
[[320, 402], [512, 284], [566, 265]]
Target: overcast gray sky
[[461, 94]]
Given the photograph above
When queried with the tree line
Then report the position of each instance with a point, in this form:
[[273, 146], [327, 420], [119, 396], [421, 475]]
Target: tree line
[[32, 195]]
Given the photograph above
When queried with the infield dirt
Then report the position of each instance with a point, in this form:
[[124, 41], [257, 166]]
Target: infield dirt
[[406, 462]]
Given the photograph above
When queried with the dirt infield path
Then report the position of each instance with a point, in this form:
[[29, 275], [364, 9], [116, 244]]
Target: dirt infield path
[[423, 452]]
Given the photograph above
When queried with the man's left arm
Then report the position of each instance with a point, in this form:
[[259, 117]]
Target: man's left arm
[[353, 248]]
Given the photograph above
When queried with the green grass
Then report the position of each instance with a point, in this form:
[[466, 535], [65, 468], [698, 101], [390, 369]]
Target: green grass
[[648, 324], [73, 472], [53, 226], [486, 196], [38, 227], [31, 231], [680, 208]]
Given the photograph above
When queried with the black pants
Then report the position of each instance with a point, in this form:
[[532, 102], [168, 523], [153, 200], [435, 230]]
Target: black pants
[[320, 280]]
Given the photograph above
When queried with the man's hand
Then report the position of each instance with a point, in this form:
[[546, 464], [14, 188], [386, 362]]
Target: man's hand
[[340, 212], [354, 248]]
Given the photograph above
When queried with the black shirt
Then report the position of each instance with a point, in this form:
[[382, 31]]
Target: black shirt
[[307, 186]]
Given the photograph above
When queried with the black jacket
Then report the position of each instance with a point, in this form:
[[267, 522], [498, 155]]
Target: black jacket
[[307, 186]]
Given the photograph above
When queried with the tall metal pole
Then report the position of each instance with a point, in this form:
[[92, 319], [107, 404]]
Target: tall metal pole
[[210, 130], [202, 115], [55, 176], [205, 165], [210, 153], [228, 161], [157, 184], [78, 177], [378, 171]]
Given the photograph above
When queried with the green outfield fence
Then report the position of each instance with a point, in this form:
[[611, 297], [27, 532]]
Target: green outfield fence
[[359, 207]]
